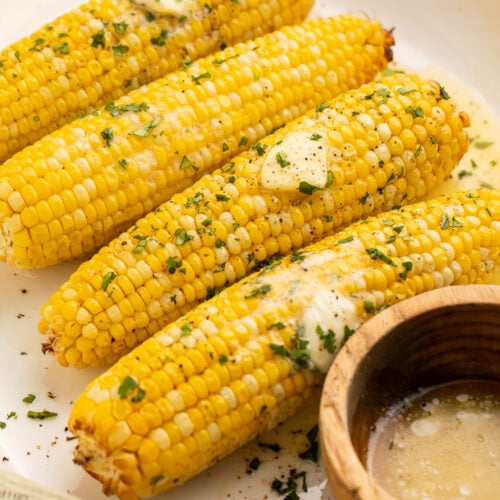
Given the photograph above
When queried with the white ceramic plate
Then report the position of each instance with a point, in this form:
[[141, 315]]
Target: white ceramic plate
[[454, 39]]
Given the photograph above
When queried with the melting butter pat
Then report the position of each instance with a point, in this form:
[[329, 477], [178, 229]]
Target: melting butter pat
[[170, 7], [324, 324], [300, 157]]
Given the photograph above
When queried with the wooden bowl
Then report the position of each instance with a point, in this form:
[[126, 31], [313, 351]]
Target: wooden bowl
[[436, 337]]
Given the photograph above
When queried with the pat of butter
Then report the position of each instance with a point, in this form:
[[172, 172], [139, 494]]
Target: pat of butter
[[298, 158], [172, 7], [324, 325]]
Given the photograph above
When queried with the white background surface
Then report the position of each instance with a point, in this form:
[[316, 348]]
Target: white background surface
[[461, 37]]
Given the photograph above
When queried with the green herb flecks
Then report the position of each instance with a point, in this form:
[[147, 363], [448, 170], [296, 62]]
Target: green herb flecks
[[107, 279], [311, 453], [295, 482], [130, 386], [41, 415], [408, 266], [181, 237], [120, 28], [29, 398], [147, 128], [108, 136], [99, 39], [261, 290], [375, 254], [197, 78], [281, 159], [327, 338], [415, 112], [187, 163]]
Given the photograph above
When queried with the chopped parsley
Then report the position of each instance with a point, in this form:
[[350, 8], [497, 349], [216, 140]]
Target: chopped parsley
[[156, 479], [312, 452], [62, 48], [41, 415], [298, 256], [197, 78], [408, 266], [328, 338], [322, 107], [415, 112], [181, 237], [115, 110], [291, 486], [120, 50], [405, 90], [444, 221], [107, 279], [464, 173], [254, 464], [108, 136], [443, 94], [187, 163], [29, 398], [120, 28], [281, 159], [262, 290], [391, 72], [147, 128], [300, 354], [369, 306], [260, 148], [483, 144], [129, 386], [345, 240], [306, 188], [173, 264], [160, 39], [99, 39], [141, 243], [375, 253]]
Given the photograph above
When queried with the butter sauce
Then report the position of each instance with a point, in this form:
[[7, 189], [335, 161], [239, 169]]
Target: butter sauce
[[169, 7], [440, 444], [481, 164]]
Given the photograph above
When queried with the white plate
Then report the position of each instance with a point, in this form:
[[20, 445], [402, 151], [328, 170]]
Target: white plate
[[445, 38]]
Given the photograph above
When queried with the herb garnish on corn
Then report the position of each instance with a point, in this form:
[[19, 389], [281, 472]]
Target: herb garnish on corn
[[75, 189], [171, 408], [359, 154], [105, 48]]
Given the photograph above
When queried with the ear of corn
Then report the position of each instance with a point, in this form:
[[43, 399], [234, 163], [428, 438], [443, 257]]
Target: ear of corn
[[364, 152], [245, 360], [105, 48], [78, 187]]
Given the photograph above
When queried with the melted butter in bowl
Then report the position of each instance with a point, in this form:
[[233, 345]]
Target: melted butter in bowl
[[440, 443]]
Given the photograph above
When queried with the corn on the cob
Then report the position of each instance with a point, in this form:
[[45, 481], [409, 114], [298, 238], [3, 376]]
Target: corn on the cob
[[78, 187], [106, 48], [371, 149], [252, 355]]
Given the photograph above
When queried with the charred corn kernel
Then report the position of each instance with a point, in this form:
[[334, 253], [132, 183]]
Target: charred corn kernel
[[111, 167], [292, 191], [324, 293], [104, 49]]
